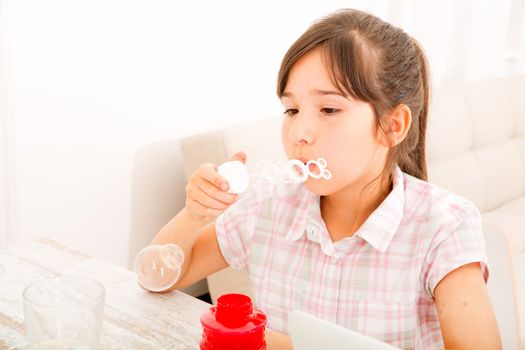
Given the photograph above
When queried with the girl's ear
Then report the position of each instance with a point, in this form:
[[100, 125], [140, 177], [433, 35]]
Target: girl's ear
[[398, 122]]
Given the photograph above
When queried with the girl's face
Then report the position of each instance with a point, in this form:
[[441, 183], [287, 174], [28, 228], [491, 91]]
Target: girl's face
[[320, 122]]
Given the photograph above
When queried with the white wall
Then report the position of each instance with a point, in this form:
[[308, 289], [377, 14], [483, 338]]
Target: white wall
[[93, 81], [6, 166]]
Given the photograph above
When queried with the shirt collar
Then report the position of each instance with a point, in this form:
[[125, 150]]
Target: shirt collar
[[380, 227], [378, 230]]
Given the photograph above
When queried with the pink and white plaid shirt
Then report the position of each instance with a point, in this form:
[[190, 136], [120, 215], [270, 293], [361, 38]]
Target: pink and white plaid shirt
[[379, 282]]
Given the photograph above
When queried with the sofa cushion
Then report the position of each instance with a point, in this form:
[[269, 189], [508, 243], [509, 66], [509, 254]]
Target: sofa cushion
[[510, 219], [450, 126], [519, 263], [491, 112], [503, 173], [462, 175]]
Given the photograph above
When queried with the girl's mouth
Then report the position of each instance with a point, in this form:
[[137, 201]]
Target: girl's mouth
[[312, 167]]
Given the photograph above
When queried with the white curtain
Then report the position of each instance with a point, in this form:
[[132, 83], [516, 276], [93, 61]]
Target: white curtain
[[464, 40]]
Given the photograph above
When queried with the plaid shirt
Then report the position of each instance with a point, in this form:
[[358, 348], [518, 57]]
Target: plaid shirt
[[379, 282]]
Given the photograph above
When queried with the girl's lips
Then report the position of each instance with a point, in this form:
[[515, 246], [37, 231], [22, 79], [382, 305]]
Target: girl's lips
[[312, 167], [303, 160]]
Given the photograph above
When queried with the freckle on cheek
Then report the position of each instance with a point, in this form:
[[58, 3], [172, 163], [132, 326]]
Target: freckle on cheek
[[464, 303]]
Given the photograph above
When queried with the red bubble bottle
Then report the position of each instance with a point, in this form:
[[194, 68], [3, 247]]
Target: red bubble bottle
[[233, 324]]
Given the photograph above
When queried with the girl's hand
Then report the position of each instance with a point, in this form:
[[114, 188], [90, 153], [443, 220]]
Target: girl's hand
[[206, 192], [277, 341]]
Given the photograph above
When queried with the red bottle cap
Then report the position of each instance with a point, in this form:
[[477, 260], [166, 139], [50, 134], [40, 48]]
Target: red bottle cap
[[233, 324]]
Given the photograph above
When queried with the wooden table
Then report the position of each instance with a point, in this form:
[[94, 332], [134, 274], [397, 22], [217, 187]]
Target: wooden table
[[133, 318]]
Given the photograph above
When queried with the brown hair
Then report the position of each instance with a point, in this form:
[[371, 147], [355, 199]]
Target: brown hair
[[374, 62]]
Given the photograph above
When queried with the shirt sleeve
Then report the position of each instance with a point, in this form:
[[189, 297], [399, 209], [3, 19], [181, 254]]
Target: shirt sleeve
[[458, 245], [235, 229]]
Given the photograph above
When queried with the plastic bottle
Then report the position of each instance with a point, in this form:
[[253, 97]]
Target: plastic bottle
[[233, 324]]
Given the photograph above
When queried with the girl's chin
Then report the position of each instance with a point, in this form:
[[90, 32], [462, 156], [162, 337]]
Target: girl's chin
[[318, 186]]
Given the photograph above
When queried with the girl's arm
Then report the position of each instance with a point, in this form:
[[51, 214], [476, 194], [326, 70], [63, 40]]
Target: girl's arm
[[277, 341], [202, 255], [465, 312], [193, 229]]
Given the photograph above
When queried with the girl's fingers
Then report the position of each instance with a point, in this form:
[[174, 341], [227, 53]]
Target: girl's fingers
[[209, 172], [240, 156], [198, 194], [201, 210], [206, 195], [211, 190]]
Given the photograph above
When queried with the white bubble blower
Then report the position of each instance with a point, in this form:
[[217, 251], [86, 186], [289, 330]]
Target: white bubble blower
[[294, 170]]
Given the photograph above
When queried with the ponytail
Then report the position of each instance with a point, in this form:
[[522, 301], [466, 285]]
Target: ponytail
[[414, 162]]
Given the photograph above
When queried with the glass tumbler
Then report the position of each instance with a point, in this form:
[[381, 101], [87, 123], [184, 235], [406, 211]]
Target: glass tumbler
[[64, 313]]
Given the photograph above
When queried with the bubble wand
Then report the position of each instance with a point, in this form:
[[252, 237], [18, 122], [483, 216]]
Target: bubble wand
[[294, 170]]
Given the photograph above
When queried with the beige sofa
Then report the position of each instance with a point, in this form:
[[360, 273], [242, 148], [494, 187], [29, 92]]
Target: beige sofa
[[476, 147]]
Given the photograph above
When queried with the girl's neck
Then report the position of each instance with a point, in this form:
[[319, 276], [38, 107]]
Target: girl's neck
[[345, 211]]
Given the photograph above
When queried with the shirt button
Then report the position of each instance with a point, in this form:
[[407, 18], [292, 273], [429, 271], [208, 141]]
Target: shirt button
[[334, 260], [310, 233]]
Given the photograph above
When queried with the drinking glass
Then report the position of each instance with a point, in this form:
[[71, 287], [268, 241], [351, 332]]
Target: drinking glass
[[64, 313]]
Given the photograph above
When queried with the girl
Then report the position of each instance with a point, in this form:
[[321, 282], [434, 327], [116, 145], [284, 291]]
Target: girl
[[375, 249]]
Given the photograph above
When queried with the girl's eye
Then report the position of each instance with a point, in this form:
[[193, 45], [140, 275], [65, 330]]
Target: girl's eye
[[329, 110], [291, 111]]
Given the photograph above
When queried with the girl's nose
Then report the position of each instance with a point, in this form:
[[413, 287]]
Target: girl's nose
[[301, 131]]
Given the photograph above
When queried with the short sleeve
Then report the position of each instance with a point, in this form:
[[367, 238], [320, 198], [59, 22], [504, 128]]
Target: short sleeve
[[236, 227], [457, 246]]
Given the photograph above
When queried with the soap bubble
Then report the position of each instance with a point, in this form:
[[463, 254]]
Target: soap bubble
[[158, 267], [292, 170]]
